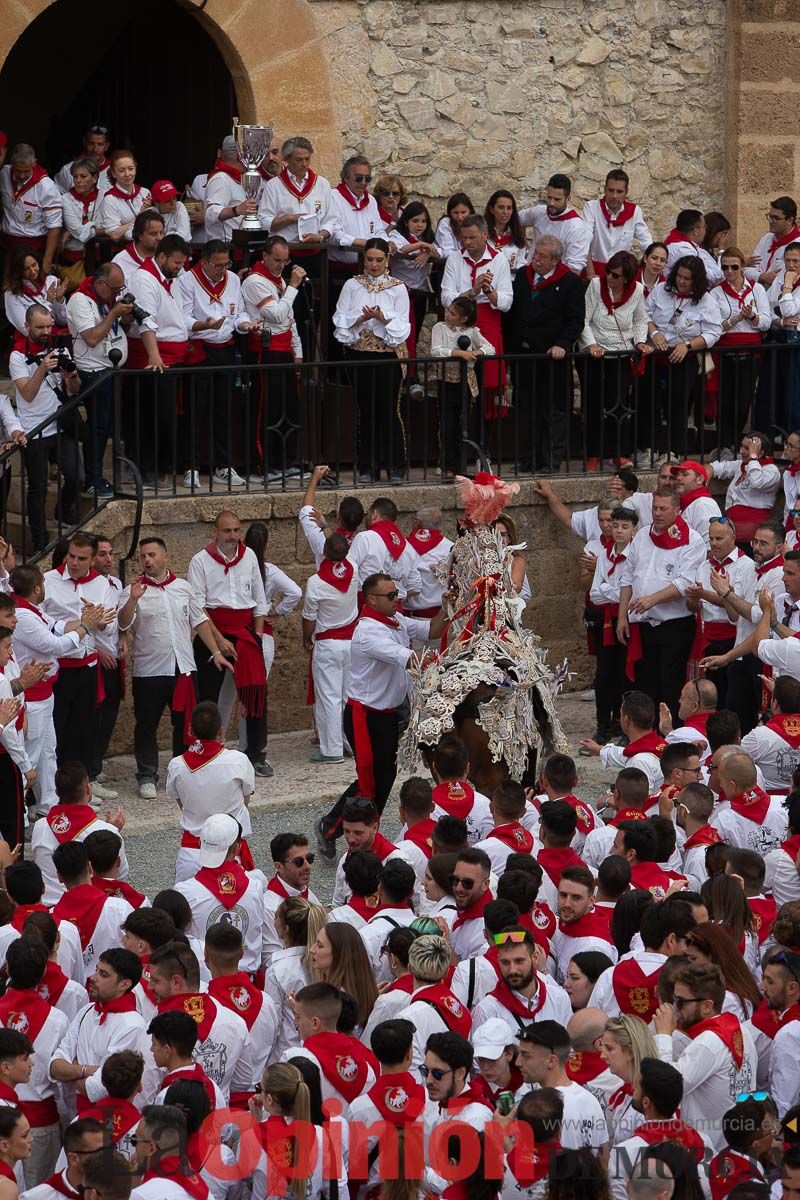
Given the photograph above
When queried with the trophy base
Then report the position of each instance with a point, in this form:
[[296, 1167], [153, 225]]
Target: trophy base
[[251, 223]]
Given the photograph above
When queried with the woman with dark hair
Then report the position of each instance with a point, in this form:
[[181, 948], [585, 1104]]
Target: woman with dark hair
[[615, 327], [718, 229], [583, 971], [577, 1175], [175, 905], [372, 322], [683, 323], [414, 251], [627, 917], [448, 231], [439, 898], [25, 284], [651, 266], [709, 943], [727, 906], [339, 956], [683, 1168], [745, 315], [505, 231]]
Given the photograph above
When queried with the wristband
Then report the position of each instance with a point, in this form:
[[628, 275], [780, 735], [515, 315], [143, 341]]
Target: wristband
[[728, 593], [774, 625]]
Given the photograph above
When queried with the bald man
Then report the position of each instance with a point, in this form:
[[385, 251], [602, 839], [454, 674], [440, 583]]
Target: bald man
[[585, 1066], [227, 580], [697, 701], [749, 818], [432, 548], [775, 746]]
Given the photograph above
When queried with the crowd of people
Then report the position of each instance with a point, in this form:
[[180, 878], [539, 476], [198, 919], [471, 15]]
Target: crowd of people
[[100, 269]]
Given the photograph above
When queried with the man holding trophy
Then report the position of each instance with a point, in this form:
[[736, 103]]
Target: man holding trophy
[[234, 182]]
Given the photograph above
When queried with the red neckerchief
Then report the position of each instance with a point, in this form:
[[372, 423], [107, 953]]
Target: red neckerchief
[[585, 1065], [232, 170], [424, 539], [614, 558], [484, 261], [119, 889], [81, 906], [624, 215], [277, 886], [673, 1130], [168, 1168], [200, 1007], [25, 1010], [449, 1007], [388, 218], [737, 296], [201, 753], [404, 984], [23, 911], [194, 1074], [154, 583], [753, 804], [421, 835], [151, 266], [52, 984], [728, 1169], [129, 196], [689, 497], [619, 1097], [472, 1094], [337, 574], [706, 835], [239, 994], [86, 200], [227, 883], [505, 996], [769, 1020], [455, 797], [8, 1093], [628, 814], [541, 920], [372, 614], [634, 991], [34, 290], [531, 1164], [473, 911], [343, 1061], [134, 253], [26, 604], [122, 1004], [278, 280], [288, 182], [567, 215], [76, 583], [119, 1116], [609, 301], [675, 235], [728, 1029], [676, 535], [766, 460], [59, 1183], [214, 291], [400, 1099], [792, 846], [559, 272], [787, 726], [366, 906], [391, 537], [357, 203], [19, 190], [647, 875], [764, 910], [586, 821], [649, 743], [382, 846], [793, 469], [777, 561], [213, 550], [639, 277], [777, 242], [514, 835], [591, 924], [554, 861]]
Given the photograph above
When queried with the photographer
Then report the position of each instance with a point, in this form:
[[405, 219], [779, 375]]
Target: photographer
[[96, 319], [44, 380]]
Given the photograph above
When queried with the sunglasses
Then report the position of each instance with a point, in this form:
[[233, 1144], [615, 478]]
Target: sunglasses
[[134, 1141], [362, 178], [680, 1002], [385, 595], [751, 1096], [614, 274], [517, 936], [98, 129], [300, 860], [730, 266], [458, 881], [389, 192], [435, 1073]]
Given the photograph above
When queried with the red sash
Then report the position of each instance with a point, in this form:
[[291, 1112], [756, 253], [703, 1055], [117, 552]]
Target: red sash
[[449, 1007], [119, 889], [674, 1130], [200, 1007], [391, 537], [169, 1169], [299, 193], [764, 910], [239, 994], [792, 847], [455, 797], [214, 291], [249, 671], [421, 835], [123, 1004], [673, 537], [555, 861], [634, 991], [118, 1116], [515, 836], [591, 924], [474, 911], [585, 1065], [59, 1183], [787, 726], [504, 995], [608, 300], [343, 1061], [227, 883], [404, 984], [753, 804], [706, 835], [81, 906], [647, 875], [194, 1074], [490, 322], [338, 574], [52, 983], [769, 1020], [650, 743], [471, 1095], [144, 982], [66, 821], [424, 540], [586, 821], [400, 1099], [729, 1031]]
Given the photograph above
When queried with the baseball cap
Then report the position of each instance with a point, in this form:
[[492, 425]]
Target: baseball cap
[[216, 838], [229, 145], [690, 465], [163, 190], [492, 1038]]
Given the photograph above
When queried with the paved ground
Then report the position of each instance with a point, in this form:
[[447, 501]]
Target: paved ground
[[299, 791]]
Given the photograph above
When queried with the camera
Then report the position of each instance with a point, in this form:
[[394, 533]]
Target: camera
[[59, 344], [139, 314]]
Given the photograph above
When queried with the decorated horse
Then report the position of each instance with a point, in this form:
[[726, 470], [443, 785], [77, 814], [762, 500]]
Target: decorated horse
[[489, 681]]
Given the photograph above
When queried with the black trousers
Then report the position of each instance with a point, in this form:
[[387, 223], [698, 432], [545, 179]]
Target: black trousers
[[452, 424], [209, 681], [719, 678], [376, 388], [11, 802], [160, 450], [151, 695], [215, 411], [100, 424], [39, 453], [105, 717], [383, 732], [661, 672], [543, 391], [737, 384], [744, 690], [609, 684], [680, 390], [605, 400], [74, 714]]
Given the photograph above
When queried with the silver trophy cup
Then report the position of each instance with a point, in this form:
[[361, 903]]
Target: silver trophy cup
[[252, 142]]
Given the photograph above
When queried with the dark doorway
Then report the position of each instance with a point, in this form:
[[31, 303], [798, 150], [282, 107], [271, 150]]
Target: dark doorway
[[150, 72]]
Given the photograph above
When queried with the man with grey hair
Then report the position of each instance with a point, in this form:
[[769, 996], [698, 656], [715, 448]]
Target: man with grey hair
[[31, 206], [226, 203], [356, 213], [651, 1179], [433, 1008], [296, 203], [432, 548], [547, 317]]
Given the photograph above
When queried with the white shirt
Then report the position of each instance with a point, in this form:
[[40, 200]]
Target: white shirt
[[759, 487], [177, 221], [351, 224], [246, 915], [199, 305], [115, 211], [219, 786], [163, 623], [84, 312], [222, 191], [747, 834], [698, 514], [392, 301], [775, 757], [44, 404], [426, 1020], [285, 975], [225, 1055], [446, 238], [273, 304], [64, 599], [603, 996], [128, 260], [458, 278], [78, 220], [107, 933], [480, 821], [753, 295], [241, 587], [44, 1191], [649, 569], [741, 575], [64, 181], [499, 850], [376, 930], [327, 606], [444, 340], [44, 842], [369, 555], [31, 212], [197, 191], [556, 1007], [583, 1122], [166, 319], [678, 318], [279, 583], [564, 947], [770, 256], [276, 200], [687, 249], [573, 233], [379, 655], [88, 1041], [782, 877], [412, 269], [605, 587], [271, 944], [69, 956], [17, 304], [430, 592], [619, 330], [782, 654], [608, 239]]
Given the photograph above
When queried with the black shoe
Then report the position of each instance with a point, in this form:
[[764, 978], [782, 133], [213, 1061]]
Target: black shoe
[[263, 768], [325, 845]]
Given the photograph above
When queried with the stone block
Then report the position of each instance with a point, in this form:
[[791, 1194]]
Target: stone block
[[757, 109], [507, 98], [384, 61], [769, 59], [767, 168], [593, 52], [419, 114], [437, 84]]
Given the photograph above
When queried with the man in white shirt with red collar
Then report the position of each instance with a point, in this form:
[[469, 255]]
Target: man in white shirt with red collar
[[775, 745], [747, 818], [507, 805], [31, 206], [78, 688], [395, 898], [579, 926], [556, 219], [222, 891], [83, 1138], [523, 994], [292, 861], [697, 505], [629, 799], [297, 202], [684, 242], [645, 745], [344, 1067], [432, 1006], [480, 272], [754, 483], [355, 211], [360, 821], [148, 230], [432, 548], [108, 1024], [614, 223], [330, 613], [782, 877], [97, 916], [449, 1059], [380, 656], [160, 1161], [225, 200], [96, 144], [698, 702], [382, 547], [470, 880], [766, 261], [227, 579], [208, 778]]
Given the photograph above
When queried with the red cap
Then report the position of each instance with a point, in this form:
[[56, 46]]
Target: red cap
[[163, 190], [690, 465]]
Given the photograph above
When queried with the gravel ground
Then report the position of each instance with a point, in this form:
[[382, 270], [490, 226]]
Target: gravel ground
[[299, 792]]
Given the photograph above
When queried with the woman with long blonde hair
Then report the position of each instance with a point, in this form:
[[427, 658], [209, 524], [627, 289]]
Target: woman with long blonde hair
[[297, 924], [625, 1042], [339, 957], [284, 1100]]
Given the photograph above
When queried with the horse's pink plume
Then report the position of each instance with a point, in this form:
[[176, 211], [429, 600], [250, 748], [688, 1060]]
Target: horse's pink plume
[[484, 497]]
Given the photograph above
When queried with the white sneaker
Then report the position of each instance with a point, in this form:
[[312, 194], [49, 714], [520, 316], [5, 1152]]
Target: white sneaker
[[102, 778], [227, 476], [191, 479], [104, 793], [147, 790]]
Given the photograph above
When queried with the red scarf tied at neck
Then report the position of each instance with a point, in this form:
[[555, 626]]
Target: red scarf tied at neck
[[560, 271], [608, 300]]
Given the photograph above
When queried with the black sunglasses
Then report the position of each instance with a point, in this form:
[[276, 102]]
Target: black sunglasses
[[467, 884], [362, 178], [300, 859], [384, 595], [680, 1002]]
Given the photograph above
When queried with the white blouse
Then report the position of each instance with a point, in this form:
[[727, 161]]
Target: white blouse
[[620, 329], [412, 269], [446, 238], [17, 306], [678, 318], [80, 231], [783, 306], [515, 256], [392, 301], [444, 340], [756, 296], [114, 211]]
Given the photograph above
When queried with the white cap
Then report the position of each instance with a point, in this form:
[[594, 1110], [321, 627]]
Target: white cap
[[229, 144], [217, 836], [492, 1038]]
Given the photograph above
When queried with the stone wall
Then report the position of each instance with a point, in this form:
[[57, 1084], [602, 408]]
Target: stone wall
[[456, 94], [555, 613]]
